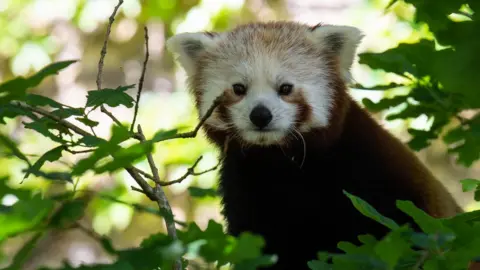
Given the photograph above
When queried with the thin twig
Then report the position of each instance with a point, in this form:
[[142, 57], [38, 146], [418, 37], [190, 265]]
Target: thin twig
[[190, 171], [161, 198], [103, 53], [141, 80], [193, 133], [145, 174], [79, 152]]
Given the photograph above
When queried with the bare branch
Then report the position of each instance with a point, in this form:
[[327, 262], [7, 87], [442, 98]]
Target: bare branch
[[141, 80], [145, 174], [79, 152], [103, 53], [190, 171], [161, 198], [57, 119], [193, 133]]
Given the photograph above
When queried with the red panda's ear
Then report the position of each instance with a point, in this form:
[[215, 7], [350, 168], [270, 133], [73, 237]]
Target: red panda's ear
[[188, 46], [340, 40]]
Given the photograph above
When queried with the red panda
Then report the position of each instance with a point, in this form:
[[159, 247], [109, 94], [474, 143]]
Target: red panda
[[294, 139]]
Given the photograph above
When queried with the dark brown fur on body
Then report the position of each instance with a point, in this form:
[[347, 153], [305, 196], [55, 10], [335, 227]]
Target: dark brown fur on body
[[301, 211]]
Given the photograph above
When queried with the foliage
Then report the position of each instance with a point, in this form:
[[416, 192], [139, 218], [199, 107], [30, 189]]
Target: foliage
[[441, 76], [436, 90]]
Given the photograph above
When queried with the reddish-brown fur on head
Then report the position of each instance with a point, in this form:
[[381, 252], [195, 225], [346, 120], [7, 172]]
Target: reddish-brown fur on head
[[279, 80]]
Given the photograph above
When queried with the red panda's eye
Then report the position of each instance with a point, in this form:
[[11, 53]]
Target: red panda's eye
[[285, 89], [239, 89]]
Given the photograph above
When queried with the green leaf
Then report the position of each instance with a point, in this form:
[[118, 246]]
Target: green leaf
[[384, 103], [163, 135], [51, 155], [369, 211], [67, 112], [202, 192], [104, 148], [247, 246], [421, 138], [216, 241], [392, 247], [467, 217], [13, 148], [414, 58], [16, 88], [55, 176], [12, 111], [427, 223], [69, 213], [38, 100], [111, 97], [24, 215], [469, 184], [43, 127], [126, 157], [87, 121]]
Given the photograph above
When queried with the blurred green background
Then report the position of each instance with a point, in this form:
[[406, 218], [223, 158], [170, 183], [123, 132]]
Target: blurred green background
[[34, 33]]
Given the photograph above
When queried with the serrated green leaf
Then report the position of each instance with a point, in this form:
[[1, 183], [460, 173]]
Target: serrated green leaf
[[247, 246], [51, 155], [202, 192], [392, 247], [11, 145], [369, 211], [111, 97]]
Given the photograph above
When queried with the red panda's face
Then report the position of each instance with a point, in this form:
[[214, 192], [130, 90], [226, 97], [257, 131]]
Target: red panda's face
[[275, 78]]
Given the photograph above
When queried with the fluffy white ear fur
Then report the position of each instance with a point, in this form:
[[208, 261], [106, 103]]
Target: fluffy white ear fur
[[188, 46], [341, 40]]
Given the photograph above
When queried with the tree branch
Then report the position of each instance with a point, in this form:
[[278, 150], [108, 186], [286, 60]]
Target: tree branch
[[193, 133], [141, 80], [161, 198], [103, 53], [190, 171]]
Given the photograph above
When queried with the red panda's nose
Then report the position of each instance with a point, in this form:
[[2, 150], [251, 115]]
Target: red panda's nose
[[260, 116]]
